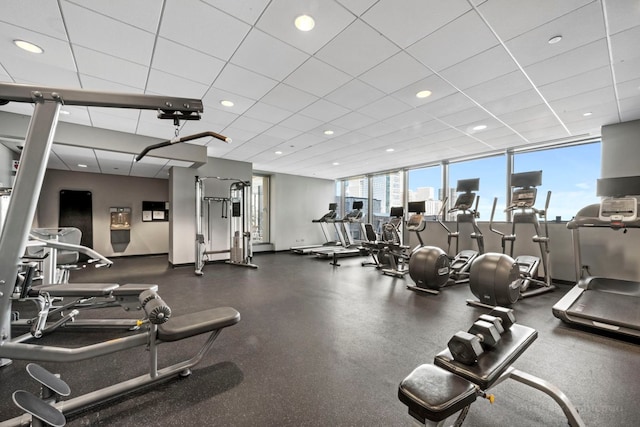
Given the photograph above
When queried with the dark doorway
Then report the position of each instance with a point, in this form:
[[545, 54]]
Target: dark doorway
[[76, 211]]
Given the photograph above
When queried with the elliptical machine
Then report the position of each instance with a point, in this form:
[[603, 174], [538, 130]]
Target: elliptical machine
[[498, 278], [465, 214], [429, 266]]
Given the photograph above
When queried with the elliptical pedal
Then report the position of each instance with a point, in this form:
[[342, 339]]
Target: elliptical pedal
[[51, 383], [38, 408]]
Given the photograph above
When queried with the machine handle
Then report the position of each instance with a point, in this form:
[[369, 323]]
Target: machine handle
[[183, 139]]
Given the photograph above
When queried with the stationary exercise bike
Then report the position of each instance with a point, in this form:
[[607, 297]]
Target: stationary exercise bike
[[465, 213], [501, 279]]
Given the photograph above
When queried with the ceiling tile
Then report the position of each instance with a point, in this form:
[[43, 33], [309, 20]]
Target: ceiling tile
[[506, 85], [102, 66], [624, 45], [267, 113], [357, 49], [584, 100], [486, 66], [458, 40], [622, 15], [90, 29], [384, 108], [511, 18], [258, 50], [210, 30], [581, 83], [439, 89], [357, 7], [301, 123], [144, 14], [161, 83], [395, 73], [215, 95], [47, 20], [353, 121], [288, 98], [627, 70], [244, 82], [415, 19], [317, 77], [324, 111], [246, 10], [515, 102], [114, 163], [185, 62], [354, 95], [330, 17]]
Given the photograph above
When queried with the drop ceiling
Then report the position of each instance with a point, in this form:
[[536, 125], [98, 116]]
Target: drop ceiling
[[486, 63]]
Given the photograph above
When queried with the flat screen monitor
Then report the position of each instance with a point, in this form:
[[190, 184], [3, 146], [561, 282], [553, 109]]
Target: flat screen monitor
[[416, 207], [357, 204], [468, 185], [333, 206], [526, 179], [618, 187], [397, 211]]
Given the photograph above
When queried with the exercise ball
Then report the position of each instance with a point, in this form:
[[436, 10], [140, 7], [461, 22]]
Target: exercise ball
[[429, 267], [495, 279]]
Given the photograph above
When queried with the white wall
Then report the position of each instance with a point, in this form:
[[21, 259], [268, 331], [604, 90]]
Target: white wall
[[6, 166], [109, 191], [182, 230], [295, 202]]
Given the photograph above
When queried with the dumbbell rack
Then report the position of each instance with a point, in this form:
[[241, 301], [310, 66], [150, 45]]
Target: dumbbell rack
[[434, 392]]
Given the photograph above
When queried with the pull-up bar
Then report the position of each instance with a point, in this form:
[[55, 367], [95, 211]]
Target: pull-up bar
[[183, 139]]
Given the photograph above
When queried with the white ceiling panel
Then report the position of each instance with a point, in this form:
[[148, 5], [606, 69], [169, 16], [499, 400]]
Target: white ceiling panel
[[356, 73], [258, 51], [581, 26], [402, 66], [246, 10], [486, 66], [511, 18], [114, 163], [210, 30], [185, 62], [317, 77], [88, 29], [105, 67], [414, 20], [464, 37], [331, 19], [56, 163], [357, 49], [622, 14], [355, 94]]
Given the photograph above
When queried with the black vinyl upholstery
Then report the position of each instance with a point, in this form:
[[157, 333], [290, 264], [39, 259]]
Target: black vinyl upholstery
[[434, 394], [188, 325]]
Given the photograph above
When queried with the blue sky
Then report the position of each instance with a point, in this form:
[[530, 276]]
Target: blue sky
[[569, 172]]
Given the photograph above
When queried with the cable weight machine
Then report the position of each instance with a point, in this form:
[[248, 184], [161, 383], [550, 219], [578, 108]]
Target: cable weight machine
[[238, 204]]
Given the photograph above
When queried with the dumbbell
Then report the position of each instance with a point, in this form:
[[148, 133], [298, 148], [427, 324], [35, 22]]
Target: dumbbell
[[466, 347], [506, 315]]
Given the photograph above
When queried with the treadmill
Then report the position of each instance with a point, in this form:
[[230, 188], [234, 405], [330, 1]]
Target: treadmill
[[604, 303], [349, 247], [323, 221]]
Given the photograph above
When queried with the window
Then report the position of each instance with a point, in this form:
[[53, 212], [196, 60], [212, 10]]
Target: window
[[387, 193], [492, 172], [569, 172], [424, 184], [260, 209]]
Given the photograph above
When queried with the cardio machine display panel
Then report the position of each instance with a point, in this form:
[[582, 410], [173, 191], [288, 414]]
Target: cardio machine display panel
[[623, 209]]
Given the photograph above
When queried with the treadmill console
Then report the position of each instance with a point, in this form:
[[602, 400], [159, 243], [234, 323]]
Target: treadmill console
[[523, 197], [619, 209]]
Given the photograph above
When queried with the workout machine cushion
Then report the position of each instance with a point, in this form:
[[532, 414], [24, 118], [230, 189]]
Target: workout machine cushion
[[188, 325], [78, 289], [134, 289], [494, 361], [434, 394]]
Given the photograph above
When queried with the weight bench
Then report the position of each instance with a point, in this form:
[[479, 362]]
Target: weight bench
[[435, 392]]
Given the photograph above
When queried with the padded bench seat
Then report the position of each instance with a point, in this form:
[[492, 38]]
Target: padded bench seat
[[78, 289], [133, 289], [494, 361], [188, 325], [434, 394]]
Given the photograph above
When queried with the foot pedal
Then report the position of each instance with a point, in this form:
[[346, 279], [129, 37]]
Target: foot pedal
[[52, 383], [38, 408]]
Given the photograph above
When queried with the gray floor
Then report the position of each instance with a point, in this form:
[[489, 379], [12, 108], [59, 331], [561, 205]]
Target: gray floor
[[321, 346]]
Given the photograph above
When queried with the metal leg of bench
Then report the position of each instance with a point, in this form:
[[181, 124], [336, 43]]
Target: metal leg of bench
[[546, 387]]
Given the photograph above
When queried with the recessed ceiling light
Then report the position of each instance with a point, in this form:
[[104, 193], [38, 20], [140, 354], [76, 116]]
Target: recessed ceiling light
[[587, 114], [304, 23], [423, 94], [278, 152], [80, 165], [555, 39], [480, 127], [226, 103], [64, 112], [389, 150], [336, 164], [328, 132], [29, 47]]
